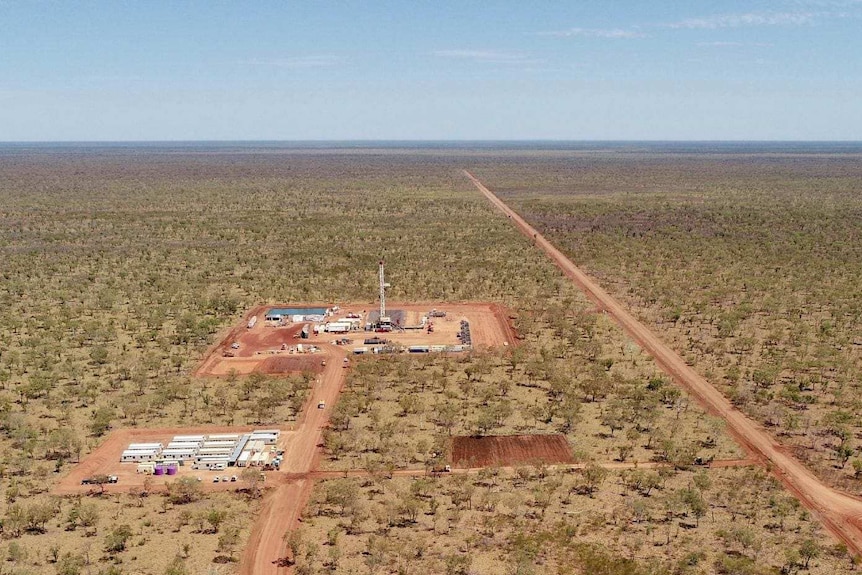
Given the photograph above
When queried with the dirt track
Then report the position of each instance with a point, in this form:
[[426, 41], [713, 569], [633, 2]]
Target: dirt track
[[282, 507], [841, 513]]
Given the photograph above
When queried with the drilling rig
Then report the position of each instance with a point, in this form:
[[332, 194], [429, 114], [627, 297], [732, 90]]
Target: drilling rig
[[385, 322]]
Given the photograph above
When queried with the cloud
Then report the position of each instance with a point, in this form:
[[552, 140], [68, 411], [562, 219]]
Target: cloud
[[735, 44], [296, 62], [595, 33], [748, 19], [488, 56]]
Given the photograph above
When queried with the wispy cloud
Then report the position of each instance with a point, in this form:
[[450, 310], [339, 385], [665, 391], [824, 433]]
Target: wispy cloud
[[720, 44], [295, 62], [595, 33], [488, 56], [747, 19]]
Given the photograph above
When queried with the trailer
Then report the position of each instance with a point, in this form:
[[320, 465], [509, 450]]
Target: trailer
[[223, 436], [139, 455], [215, 463], [266, 438], [182, 454], [304, 333], [255, 445], [144, 446], [183, 445], [338, 327], [252, 322], [189, 438], [219, 444]]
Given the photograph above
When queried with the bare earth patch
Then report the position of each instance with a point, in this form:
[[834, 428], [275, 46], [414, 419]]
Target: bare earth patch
[[510, 450]]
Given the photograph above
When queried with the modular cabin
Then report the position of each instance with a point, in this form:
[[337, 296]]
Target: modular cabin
[[219, 444], [139, 455], [266, 438], [224, 437], [181, 454], [189, 438], [217, 463], [144, 446], [183, 445]]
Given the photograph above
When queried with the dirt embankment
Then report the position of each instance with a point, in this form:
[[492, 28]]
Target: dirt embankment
[[840, 512]]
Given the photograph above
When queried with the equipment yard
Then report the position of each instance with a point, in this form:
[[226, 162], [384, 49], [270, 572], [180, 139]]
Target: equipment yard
[[106, 461], [275, 346]]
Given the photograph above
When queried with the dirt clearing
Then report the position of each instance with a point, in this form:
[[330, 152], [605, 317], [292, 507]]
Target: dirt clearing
[[510, 450]]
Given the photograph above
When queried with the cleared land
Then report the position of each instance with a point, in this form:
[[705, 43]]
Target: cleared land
[[269, 348], [510, 450], [105, 460]]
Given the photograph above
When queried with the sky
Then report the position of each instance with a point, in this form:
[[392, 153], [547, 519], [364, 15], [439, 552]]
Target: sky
[[430, 70]]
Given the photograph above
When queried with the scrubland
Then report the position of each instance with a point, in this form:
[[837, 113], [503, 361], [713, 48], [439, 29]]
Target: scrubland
[[122, 265]]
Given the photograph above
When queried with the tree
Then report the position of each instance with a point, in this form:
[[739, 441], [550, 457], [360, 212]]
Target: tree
[[594, 475], [183, 490], [101, 421], [250, 477], [809, 550], [116, 540], [215, 517], [228, 541]]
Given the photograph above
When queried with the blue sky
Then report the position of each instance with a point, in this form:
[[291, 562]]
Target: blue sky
[[315, 70]]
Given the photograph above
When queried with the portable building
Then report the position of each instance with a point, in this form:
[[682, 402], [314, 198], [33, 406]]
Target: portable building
[[189, 438], [255, 444], [183, 445], [219, 444], [181, 454], [418, 349], [258, 459], [146, 467], [252, 322], [360, 350], [266, 438], [223, 436], [131, 455], [144, 446], [266, 431], [223, 451], [338, 327], [210, 463], [242, 460]]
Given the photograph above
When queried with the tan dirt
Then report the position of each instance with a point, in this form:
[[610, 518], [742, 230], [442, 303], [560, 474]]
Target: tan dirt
[[840, 512]]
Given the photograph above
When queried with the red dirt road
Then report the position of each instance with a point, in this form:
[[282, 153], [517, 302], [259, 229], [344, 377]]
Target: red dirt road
[[282, 507], [840, 512]]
